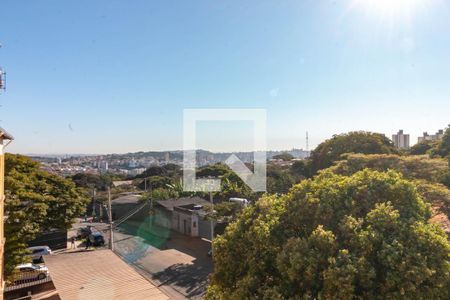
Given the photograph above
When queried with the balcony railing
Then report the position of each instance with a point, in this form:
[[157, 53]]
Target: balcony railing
[[26, 279]]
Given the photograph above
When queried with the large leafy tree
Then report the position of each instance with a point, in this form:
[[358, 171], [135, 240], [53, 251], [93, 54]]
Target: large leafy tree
[[98, 181], [364, 236], [300, 169], [354, 142], [169, 170], [430, 175], [156, 182], [36, 201], [443, 148], [279, 180], [284, 156], [422, 148], [412, 167]]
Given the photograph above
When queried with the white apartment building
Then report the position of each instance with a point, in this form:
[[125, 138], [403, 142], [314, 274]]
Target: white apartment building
[[401, 140], [431, 137]]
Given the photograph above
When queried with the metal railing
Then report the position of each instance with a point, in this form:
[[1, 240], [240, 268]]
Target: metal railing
[[26, 279]]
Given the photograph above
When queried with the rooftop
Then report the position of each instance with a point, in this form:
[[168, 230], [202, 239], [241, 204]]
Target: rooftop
[[186, 201], [126, 199], [5, 135], [98, 274]]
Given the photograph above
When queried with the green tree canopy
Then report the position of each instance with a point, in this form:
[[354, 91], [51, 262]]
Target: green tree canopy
[[354, 142], [36, 201], [422, 148], [428, 174], [284, 156], [412, 167], [279, 179], [216, 170], [364, 236], [301, 169], [156, 182], [169, 170], [443, 148], [99, 181]]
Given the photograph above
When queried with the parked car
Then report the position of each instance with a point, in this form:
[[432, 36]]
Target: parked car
[[96, 239], [29, 272], [37, 252], [84, 232]]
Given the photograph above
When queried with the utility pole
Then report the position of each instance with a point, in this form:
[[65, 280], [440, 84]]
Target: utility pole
[[145, 184], [2, 78], [212, 220], [111, 234], [93, 201]]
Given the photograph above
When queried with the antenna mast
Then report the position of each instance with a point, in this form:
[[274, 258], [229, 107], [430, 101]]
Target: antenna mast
[[2, 77]]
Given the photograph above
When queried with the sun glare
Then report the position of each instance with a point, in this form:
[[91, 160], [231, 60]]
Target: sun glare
[[390, 7]]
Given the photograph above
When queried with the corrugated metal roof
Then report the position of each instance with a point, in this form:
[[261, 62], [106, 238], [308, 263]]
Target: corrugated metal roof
[[98, 274], [171, 203], [126, 199]]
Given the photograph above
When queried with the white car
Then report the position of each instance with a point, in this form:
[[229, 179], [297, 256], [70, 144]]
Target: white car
[[31, 272], [37, 252]]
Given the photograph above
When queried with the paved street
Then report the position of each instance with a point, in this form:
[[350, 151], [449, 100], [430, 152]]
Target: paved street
[[176, 263]]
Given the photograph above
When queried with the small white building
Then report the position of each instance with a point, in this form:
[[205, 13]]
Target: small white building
[[184, 215]]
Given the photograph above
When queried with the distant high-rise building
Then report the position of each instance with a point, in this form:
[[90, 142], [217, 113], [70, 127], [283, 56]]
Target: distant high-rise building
[[431, 137], [167, 157], [401, 140], [103, 166], [132, 164]]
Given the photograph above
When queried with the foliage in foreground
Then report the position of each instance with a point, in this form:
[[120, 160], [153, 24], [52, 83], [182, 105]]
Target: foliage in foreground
[[428, 174], [353, 142], [36, 201], [435, 170], [364, 236]]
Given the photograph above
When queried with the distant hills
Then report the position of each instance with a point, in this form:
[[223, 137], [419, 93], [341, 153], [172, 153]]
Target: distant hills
[[144, 159]]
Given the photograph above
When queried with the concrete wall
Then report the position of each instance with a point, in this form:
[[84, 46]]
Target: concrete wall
[[204, 227], [181, 222], [163, 218]]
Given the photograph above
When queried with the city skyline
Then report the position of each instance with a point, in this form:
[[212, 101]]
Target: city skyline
[[414, 139], [114, 77]]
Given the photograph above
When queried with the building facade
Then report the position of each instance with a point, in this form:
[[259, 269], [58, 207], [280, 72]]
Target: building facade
[[185, 215], [431, 137], [4, 140], [401, 140]]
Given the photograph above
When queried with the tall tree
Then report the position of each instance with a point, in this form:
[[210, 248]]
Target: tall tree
[[443, 148], [36, 201], [364, 236], [354, 142], [422, 148]]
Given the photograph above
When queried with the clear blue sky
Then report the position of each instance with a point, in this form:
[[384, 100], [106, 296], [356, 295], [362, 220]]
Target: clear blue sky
[[114, 76]]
